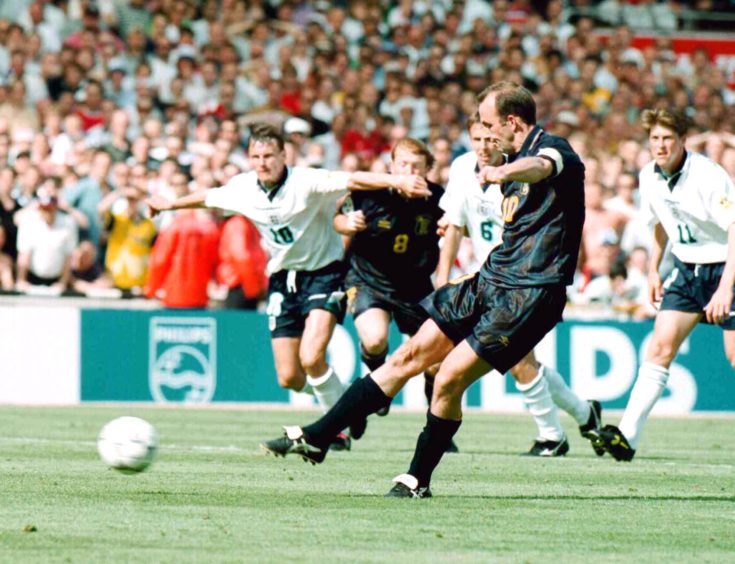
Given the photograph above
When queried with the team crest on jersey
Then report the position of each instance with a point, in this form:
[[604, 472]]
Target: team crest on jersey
[[725, 203], [423, 222], [274, 219]]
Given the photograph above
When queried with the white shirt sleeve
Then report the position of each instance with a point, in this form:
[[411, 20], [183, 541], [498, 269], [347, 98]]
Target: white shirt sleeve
[[229, 197], [721, 202], [26, 229], [324, 181]]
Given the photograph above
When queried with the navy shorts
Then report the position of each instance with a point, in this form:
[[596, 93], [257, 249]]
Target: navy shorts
[[408, 316], [502, 325], [293, 294], [690, 287]]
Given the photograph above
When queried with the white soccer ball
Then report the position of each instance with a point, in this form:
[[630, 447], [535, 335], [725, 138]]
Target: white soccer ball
[[128, 444]]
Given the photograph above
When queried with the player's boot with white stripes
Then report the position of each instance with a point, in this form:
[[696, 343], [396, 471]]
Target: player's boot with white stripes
[[294, 442]]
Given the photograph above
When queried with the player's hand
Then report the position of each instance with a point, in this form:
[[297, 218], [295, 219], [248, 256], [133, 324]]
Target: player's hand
[[356, 222], [412, 186], [718, 308], [655, 287], [156, 204], [492, 175], [441, 226]]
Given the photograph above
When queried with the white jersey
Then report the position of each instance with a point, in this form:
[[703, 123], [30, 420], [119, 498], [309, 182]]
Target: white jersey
[[295, 219], [466, 204], [696, 212]]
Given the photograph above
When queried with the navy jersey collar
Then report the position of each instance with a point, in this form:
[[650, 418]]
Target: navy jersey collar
[[531, 139], [271, 192]]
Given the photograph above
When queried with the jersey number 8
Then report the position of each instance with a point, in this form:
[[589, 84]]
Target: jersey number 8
[[400, 244]]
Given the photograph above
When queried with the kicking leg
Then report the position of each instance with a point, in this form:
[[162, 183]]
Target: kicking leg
[[366, 395]]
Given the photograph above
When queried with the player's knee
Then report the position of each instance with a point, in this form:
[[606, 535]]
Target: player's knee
[[661, 352], [291, 379], [524, 372], [447, 386], [313, 361], [405, 355], [374, 344]]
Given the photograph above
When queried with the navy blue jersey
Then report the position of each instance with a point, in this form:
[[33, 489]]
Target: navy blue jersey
[[542, 222], [399, 250]]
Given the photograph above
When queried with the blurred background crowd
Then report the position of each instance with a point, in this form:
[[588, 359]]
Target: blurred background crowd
[[105, 102]]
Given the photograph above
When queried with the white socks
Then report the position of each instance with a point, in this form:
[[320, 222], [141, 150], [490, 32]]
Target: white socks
[[307, 389], [327, 388], [542, 408], [564, 397], [648, 387]]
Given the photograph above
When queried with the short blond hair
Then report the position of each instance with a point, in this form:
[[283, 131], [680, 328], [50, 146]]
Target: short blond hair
[[416, 147]]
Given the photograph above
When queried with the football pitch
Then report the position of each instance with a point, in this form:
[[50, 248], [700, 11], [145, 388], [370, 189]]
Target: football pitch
[[212, 496]]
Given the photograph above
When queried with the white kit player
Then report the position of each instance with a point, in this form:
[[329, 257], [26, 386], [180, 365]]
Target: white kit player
[[475, 210], [690, 201], [293, 210]]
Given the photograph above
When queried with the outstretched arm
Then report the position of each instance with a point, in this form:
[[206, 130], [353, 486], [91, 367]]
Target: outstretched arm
[[158, 203], [412, 186]]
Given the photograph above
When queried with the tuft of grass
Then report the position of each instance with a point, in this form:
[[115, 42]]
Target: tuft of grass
[[212, 496]]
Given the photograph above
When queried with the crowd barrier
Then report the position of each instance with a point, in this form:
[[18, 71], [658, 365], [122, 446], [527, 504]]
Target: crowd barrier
[[72, 352]]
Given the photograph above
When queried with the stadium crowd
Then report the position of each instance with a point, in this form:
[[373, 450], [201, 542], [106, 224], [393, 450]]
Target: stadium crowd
[[105, 103]]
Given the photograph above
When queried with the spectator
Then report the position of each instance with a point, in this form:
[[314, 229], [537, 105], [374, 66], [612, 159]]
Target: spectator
[[130, 238], [242, 262], [46, 240], [183, 261], [87, 194], [8, 206], [601, 233], [87, 274]]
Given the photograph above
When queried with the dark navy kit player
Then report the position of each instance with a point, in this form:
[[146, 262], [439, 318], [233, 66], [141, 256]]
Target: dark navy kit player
[[491, 319]]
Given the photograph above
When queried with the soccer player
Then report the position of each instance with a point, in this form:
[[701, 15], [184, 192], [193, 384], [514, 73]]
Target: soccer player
[[490, 319], [475, 209], [293, 210], [690, 201], [392, 254]]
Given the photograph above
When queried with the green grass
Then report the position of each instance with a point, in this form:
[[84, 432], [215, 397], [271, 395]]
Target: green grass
[[213, 497]]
